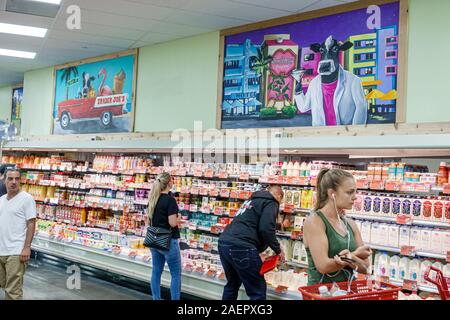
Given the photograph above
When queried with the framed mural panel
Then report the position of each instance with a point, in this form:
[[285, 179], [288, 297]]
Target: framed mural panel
[[344, 65], [96, 95], [16, 107]]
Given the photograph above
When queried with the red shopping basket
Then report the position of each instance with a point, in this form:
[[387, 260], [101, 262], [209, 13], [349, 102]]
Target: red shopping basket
[[439, 280], [359, 291]]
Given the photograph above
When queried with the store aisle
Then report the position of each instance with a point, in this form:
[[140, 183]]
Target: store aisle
[[47, 282]]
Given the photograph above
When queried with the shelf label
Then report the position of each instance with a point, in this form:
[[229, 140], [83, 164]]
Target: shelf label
[[213, 193], [281, 179], [383, 279], [272, 179], [223, 175], [244, 176], [209, 173], [404, 219], [409, 285], [263, 179], [225, 193], [198, 173], [377, 185], [281, 289], [409, 251], [288, 208]]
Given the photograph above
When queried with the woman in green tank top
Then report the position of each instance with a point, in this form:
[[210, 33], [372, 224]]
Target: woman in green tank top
[[328, 236]]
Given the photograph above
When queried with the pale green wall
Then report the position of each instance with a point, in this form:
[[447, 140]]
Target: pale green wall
[[37, 102], [429, 61], [5, 102], [177, 84]]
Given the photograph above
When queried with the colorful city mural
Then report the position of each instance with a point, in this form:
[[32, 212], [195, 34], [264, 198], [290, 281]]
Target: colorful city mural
[[327, 71]]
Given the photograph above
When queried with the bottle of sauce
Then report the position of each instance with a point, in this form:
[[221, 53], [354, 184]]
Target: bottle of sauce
[[442, 174]]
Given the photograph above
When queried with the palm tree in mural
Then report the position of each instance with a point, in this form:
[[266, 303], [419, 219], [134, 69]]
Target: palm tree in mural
[[262, 61], [66, 76]]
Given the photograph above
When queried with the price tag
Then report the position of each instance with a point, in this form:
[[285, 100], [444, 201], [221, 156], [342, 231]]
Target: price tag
[[209, 173], [211, 273], [272, 179], [225, 193], [404, 219], [198, 173], [187, 268], [281, 289], [409, 285], [408, 251], [244, 176], [383, 279], [223, 175], [405, 186], [296, 181], [234, 194], [263, 179], [214, 229], [377, 185], [281, 179], [288, 208], [392, 186]]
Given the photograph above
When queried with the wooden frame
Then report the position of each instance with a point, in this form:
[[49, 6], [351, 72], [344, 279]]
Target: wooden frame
[[129, 52], [402, 43]]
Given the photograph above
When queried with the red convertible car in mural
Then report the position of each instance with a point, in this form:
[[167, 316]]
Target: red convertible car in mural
[[103, 108]]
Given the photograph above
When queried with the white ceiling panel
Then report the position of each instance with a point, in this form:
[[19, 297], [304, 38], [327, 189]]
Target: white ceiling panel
[[178, 29], [233, 9], [127, 8], [321, 4], [15, 42], [288, 5], [153, 37], [205, 21], [79, 36], [164, 3]]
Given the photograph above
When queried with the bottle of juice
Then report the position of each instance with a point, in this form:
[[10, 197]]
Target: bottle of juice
[[284, 169], [442, 174]]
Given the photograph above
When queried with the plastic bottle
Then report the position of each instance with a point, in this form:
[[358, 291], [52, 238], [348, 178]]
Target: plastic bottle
[[423, 268], [296, 169], [403, 268], [289, 168], [394, 268], [284, 169], [302, 169], [414, 270], [442, 174], [324, 292], [383, 265], [308, 170]]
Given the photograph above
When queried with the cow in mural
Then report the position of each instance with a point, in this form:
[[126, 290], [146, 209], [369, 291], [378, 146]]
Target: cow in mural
[[335, 96]]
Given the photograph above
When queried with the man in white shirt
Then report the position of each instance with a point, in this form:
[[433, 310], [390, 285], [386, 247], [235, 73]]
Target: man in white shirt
[[17, 226]]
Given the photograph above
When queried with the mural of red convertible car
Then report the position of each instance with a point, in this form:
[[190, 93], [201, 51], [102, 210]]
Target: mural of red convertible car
[[102, 108]]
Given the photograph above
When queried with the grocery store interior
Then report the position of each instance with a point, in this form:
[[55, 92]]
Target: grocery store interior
[[163, 71]]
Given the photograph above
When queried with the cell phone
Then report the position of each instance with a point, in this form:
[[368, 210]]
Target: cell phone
[[347, 260]]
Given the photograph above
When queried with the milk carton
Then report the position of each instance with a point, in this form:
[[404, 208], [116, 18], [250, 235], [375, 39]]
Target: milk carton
[[425, 240], [415, 238], [394, 231], [404, 235]]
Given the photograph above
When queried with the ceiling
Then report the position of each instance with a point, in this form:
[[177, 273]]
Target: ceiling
[[109, 26]]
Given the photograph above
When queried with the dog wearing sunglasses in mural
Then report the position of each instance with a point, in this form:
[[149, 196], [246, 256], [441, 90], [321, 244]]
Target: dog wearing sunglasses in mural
[[335, 96]]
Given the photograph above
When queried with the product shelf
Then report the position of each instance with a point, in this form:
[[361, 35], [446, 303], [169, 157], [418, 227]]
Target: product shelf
[[417, 253], [421, 287], [135, 268], [424, 223]]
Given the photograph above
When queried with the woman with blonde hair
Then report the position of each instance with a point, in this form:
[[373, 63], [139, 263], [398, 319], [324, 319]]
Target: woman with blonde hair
[[333, 243], [163, 213]]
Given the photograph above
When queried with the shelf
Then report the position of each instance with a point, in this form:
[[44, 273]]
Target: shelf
[[420, 287], [198, 286], [417, 253], [393, 220]]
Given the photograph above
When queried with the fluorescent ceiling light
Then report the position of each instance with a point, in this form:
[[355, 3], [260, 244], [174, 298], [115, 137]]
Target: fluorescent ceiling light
[[22, 30], [18, 54], [48, 1]]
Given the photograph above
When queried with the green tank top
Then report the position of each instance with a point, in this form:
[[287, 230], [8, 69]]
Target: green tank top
[[336, 243]]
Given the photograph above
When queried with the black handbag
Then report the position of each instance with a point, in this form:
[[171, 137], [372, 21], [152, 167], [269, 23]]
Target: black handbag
[[158, 238]]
